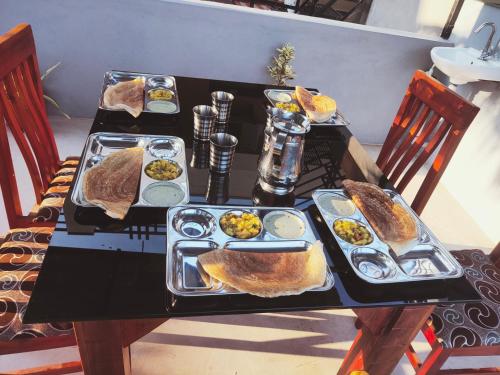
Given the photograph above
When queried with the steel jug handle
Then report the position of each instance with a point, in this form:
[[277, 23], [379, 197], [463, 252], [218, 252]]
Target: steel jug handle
[[278, 147]]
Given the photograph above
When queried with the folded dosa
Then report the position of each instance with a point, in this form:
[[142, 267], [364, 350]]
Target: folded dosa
[[267, 274], [112, 184], [390, 220], [128, 95]]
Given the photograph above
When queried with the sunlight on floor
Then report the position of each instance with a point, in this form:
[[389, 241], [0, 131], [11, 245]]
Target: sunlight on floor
[[257, 343]]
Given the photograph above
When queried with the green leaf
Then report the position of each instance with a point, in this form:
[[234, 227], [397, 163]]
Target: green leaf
[[280, 70], [49, 70], [56, 105]]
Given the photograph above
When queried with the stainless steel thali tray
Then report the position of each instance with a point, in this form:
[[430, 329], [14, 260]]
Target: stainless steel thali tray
[[152, 81], [338, 119], [376, 262], [100, 145], [193, 230]]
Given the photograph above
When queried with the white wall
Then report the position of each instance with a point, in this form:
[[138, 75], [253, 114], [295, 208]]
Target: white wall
[[425, 17], [473, 175], [366, 69], [428, 17]]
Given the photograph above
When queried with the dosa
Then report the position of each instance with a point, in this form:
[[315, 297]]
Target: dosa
[[267, 274], [128, 95], [112, 184], [389, 219]]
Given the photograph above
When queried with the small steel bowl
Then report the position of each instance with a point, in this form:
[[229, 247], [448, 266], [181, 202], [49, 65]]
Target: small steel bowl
[[179, 170], [194, 223], [356, 222], [173, 189], [373, 263], [164, 148], [270, 229], [324, 201], [240, 213], [160, 82], [150, 92]]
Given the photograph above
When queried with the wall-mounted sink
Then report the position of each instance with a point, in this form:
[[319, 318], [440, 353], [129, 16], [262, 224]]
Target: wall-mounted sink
[[463, 65]]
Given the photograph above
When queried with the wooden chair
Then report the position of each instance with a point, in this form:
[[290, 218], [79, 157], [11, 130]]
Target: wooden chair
[[431, 119], [22, 111], [464, 330]]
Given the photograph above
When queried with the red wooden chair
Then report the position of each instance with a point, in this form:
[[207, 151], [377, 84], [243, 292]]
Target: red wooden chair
[[22, 111], [431, 118], [465, 330]]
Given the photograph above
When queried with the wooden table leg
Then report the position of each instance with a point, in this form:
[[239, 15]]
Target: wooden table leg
[[104, 345], [383, 339]]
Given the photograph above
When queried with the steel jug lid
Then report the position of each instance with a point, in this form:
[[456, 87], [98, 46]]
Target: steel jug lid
[[293, 123]]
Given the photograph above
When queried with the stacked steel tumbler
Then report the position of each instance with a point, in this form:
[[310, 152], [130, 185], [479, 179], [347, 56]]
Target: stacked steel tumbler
[[211, 124]]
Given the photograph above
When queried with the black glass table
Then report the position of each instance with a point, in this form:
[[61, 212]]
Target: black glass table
[[98, 269]]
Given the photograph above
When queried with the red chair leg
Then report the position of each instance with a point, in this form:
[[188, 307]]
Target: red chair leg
[[434, 361]]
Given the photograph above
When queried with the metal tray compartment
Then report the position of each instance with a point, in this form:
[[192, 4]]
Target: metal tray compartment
[[338, 119], [194, 230], [100, 145], [152, 81], [376, 262]]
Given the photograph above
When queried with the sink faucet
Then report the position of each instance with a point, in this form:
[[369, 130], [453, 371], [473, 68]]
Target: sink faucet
[[496, 50], [487, 50]]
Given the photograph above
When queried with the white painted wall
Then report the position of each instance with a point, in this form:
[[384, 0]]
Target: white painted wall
[[366, 69], [479, 152], [425, 17]]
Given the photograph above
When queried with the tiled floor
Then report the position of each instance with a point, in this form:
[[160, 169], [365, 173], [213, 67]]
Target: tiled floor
[[312, 342]]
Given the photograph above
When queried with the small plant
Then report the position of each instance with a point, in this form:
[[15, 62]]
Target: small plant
[[48, 98], [280, 70]]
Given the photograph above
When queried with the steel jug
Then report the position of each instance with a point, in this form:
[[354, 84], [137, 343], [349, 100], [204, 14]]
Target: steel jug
[[281, 159]]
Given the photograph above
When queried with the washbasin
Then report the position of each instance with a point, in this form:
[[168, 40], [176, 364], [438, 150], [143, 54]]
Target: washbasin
[[463, 65]]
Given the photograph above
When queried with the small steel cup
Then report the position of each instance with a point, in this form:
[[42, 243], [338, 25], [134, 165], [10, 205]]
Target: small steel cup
[[222, 102], [204, 121], [222, 147]]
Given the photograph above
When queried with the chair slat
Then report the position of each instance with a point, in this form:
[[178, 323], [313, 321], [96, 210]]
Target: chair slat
[[7, 175], [37, 129], [410, 136], [415, 147], [9, 115], [424, 155], [34, 87]]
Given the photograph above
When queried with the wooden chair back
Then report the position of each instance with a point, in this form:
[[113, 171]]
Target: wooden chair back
[[432, 119], [22, 110]]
